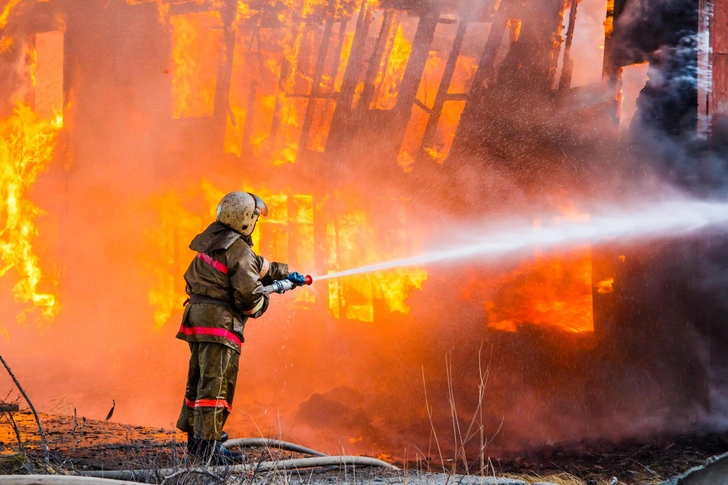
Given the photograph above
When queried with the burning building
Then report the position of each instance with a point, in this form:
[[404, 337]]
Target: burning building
[[363, 125]]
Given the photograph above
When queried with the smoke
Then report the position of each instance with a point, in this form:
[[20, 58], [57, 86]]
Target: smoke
[[664, 137]]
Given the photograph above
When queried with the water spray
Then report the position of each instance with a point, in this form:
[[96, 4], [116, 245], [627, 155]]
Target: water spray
[[664, 219]]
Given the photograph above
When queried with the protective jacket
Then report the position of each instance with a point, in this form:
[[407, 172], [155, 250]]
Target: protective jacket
[[225, 282]]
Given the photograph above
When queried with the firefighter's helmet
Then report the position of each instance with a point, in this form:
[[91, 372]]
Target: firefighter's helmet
[[240, 211]]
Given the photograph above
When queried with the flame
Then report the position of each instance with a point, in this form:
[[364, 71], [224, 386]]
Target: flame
[[176, 229], [287, 234], [553, 291], [26, 150], [5, 13], [401, 50], [439, 146], [194, 37], [606, 286], [609, 22], [514, 26]]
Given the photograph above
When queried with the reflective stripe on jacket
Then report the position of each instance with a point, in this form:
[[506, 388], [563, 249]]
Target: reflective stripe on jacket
[[225, 269]]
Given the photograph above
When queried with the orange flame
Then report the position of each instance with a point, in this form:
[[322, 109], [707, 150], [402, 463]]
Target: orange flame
[[193, 74], [351, 241], [26, 150]]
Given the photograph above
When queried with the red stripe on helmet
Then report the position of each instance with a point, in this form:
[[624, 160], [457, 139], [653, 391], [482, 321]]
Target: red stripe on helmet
[[216, 332], [213, 262]]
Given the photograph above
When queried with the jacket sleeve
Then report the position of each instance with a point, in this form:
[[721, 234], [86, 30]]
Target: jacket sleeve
[[246, 282], [270, 272]]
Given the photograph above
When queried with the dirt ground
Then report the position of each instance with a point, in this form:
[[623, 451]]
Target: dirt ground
[[78, 444]]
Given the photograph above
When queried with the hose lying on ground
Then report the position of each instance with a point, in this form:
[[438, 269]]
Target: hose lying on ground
[[265, 466], [282, 445], [109, 477], [57, 480]]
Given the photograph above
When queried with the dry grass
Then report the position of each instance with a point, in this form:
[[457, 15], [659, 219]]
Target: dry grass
[[569, 479]]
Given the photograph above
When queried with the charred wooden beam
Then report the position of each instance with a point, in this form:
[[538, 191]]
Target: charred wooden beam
[[353, 66], [532, 58], [337, 52], [286, 80], [422, 106], [333, 94], [424, 35], [555, 22], [351, 78], [481, 79], [612, 71], [407, 96], [486, 63], [441, 95], [568, 68], [316, 85], [380, 58]]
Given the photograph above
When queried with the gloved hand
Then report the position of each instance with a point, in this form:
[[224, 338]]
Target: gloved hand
[[297, 278]]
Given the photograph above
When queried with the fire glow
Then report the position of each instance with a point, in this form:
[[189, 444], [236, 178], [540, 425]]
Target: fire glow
[[300, 103]]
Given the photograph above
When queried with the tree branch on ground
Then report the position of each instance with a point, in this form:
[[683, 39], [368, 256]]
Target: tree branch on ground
[[43, 441]]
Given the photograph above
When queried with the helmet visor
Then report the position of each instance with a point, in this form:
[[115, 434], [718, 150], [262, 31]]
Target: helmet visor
[[260, 206]]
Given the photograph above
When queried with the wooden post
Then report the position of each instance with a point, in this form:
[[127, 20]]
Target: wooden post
[[286, 80], [315, 86], [352, 73], [611, 72], [485, 72], [337, 52], [554, 24], [486, 63], [407, 95], [568, 68], [421, 43], [441, 95], [377, 64]]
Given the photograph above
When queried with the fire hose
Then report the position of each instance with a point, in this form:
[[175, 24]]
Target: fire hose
[[128, 477], [282, 445], [293, 464]]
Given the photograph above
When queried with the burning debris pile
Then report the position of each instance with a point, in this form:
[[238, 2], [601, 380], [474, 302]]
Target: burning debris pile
[[368, 127]]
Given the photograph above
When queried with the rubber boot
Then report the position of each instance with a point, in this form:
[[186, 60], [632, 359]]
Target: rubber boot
[[192, 444], [214, 453]]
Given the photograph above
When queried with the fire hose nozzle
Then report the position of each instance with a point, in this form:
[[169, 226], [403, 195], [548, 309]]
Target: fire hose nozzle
[[281, 286]]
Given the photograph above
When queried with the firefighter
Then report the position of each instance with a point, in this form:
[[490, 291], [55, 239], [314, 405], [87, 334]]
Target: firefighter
[[224, 284]]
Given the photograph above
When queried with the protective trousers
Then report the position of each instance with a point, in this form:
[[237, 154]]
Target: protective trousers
[[211, 379]]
